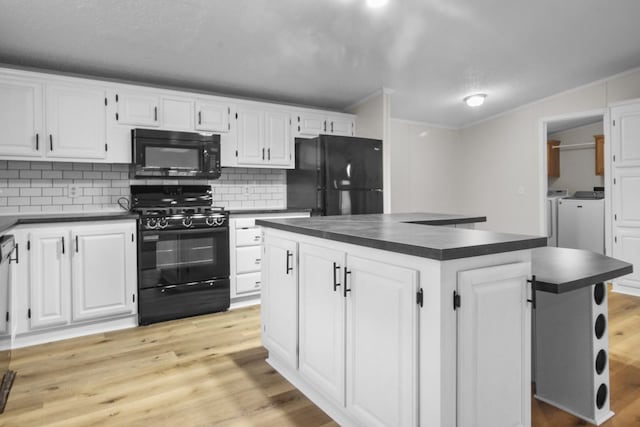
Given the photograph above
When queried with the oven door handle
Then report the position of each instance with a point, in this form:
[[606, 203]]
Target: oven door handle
[[186, 288], [155, 234]]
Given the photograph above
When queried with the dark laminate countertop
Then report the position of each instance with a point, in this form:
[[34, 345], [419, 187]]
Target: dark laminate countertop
[[560, 270], [9, 221], [264, 211], [409, 234]]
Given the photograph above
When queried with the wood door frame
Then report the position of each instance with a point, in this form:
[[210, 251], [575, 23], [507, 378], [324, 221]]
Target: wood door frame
[[543, 180]]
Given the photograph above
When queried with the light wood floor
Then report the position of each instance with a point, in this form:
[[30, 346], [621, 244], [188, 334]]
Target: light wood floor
[[210, 370]]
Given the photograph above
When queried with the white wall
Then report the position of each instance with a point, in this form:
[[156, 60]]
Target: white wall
[[500, 163], [423, 163], [577, 165]]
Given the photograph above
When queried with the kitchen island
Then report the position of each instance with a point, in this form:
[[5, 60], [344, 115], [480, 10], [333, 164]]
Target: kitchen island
[[387, 320]]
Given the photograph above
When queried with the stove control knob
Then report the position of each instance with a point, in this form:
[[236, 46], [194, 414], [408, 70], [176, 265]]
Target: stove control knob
[[187, 221], [210, 221], [152, 223], [162, 223], [219, 220]]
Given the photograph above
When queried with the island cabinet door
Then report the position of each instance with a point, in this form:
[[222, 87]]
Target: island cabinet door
[[280, 309], [322, 316], [381, 341], [494, 338]]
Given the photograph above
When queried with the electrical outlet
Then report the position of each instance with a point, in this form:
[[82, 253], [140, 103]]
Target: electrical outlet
[[246, 189], [73, 190]]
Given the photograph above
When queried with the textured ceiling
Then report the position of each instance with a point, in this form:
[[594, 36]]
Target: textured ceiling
[[333, 53]]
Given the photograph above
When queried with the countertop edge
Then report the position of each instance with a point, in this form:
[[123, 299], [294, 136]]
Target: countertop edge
[[413, 250], [561, 288], [11, 221]]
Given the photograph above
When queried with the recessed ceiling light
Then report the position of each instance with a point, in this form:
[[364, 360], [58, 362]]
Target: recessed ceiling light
[[475, 100], [377, 3]]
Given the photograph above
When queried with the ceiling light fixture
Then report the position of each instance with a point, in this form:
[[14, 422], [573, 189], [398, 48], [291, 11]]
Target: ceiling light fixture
[[475, 100], [376, 3]]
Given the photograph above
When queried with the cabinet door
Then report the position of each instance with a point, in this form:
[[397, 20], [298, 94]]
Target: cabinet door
[[340, 126], [251, 149], [278, 140], [76, 122], [138, 109], [103, 271], [553, 158], [322, 320], [599, 154], [494, 331], [20, 118], [280, 312], [177, 114], [49, 278], [213, 116], [381, 343], [625, 203], [311, 124]]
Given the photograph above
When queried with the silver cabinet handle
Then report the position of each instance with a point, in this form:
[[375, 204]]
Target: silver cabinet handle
[[50, 142], [37, 141], [199, 117], [155, 114], [268, 153]]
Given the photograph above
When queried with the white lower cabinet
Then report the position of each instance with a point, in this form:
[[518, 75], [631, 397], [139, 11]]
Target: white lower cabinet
[[377, 338], [381, 342], [322, 319], [357, 331], [67, 275], [103, 276], [49, 274], [494, 339], [279, 322], [245, 249]]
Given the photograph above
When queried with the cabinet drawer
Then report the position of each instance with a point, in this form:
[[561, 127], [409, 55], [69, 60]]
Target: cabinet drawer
[[248, 259], [251, 282], [244, 222], [249, 236]]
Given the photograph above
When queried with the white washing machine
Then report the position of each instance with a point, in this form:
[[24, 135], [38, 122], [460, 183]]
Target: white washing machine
[[552, 215], [581, 221]]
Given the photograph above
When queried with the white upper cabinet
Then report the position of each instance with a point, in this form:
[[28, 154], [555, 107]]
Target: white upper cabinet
[[138, 109], [338, 125], [311, 124], [278, 140], [177, 113], [20, 118], [213, 116], [56, 118], [251, 149], [76, 123], [264, 138]]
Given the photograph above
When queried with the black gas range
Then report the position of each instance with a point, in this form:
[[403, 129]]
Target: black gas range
[[183, 252]]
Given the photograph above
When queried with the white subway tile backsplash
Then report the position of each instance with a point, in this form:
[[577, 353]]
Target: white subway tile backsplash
[[72, 175], [31, 191], [30, 174], [40, 201], [51, 174], [42, 186]]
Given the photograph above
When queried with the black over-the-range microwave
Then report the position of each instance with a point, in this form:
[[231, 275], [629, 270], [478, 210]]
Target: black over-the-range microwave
[[161, 153]]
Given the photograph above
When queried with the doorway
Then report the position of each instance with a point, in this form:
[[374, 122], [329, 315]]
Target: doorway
[[572, 147]]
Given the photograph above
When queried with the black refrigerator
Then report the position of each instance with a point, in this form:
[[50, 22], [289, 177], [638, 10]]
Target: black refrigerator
[[336, 175]]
